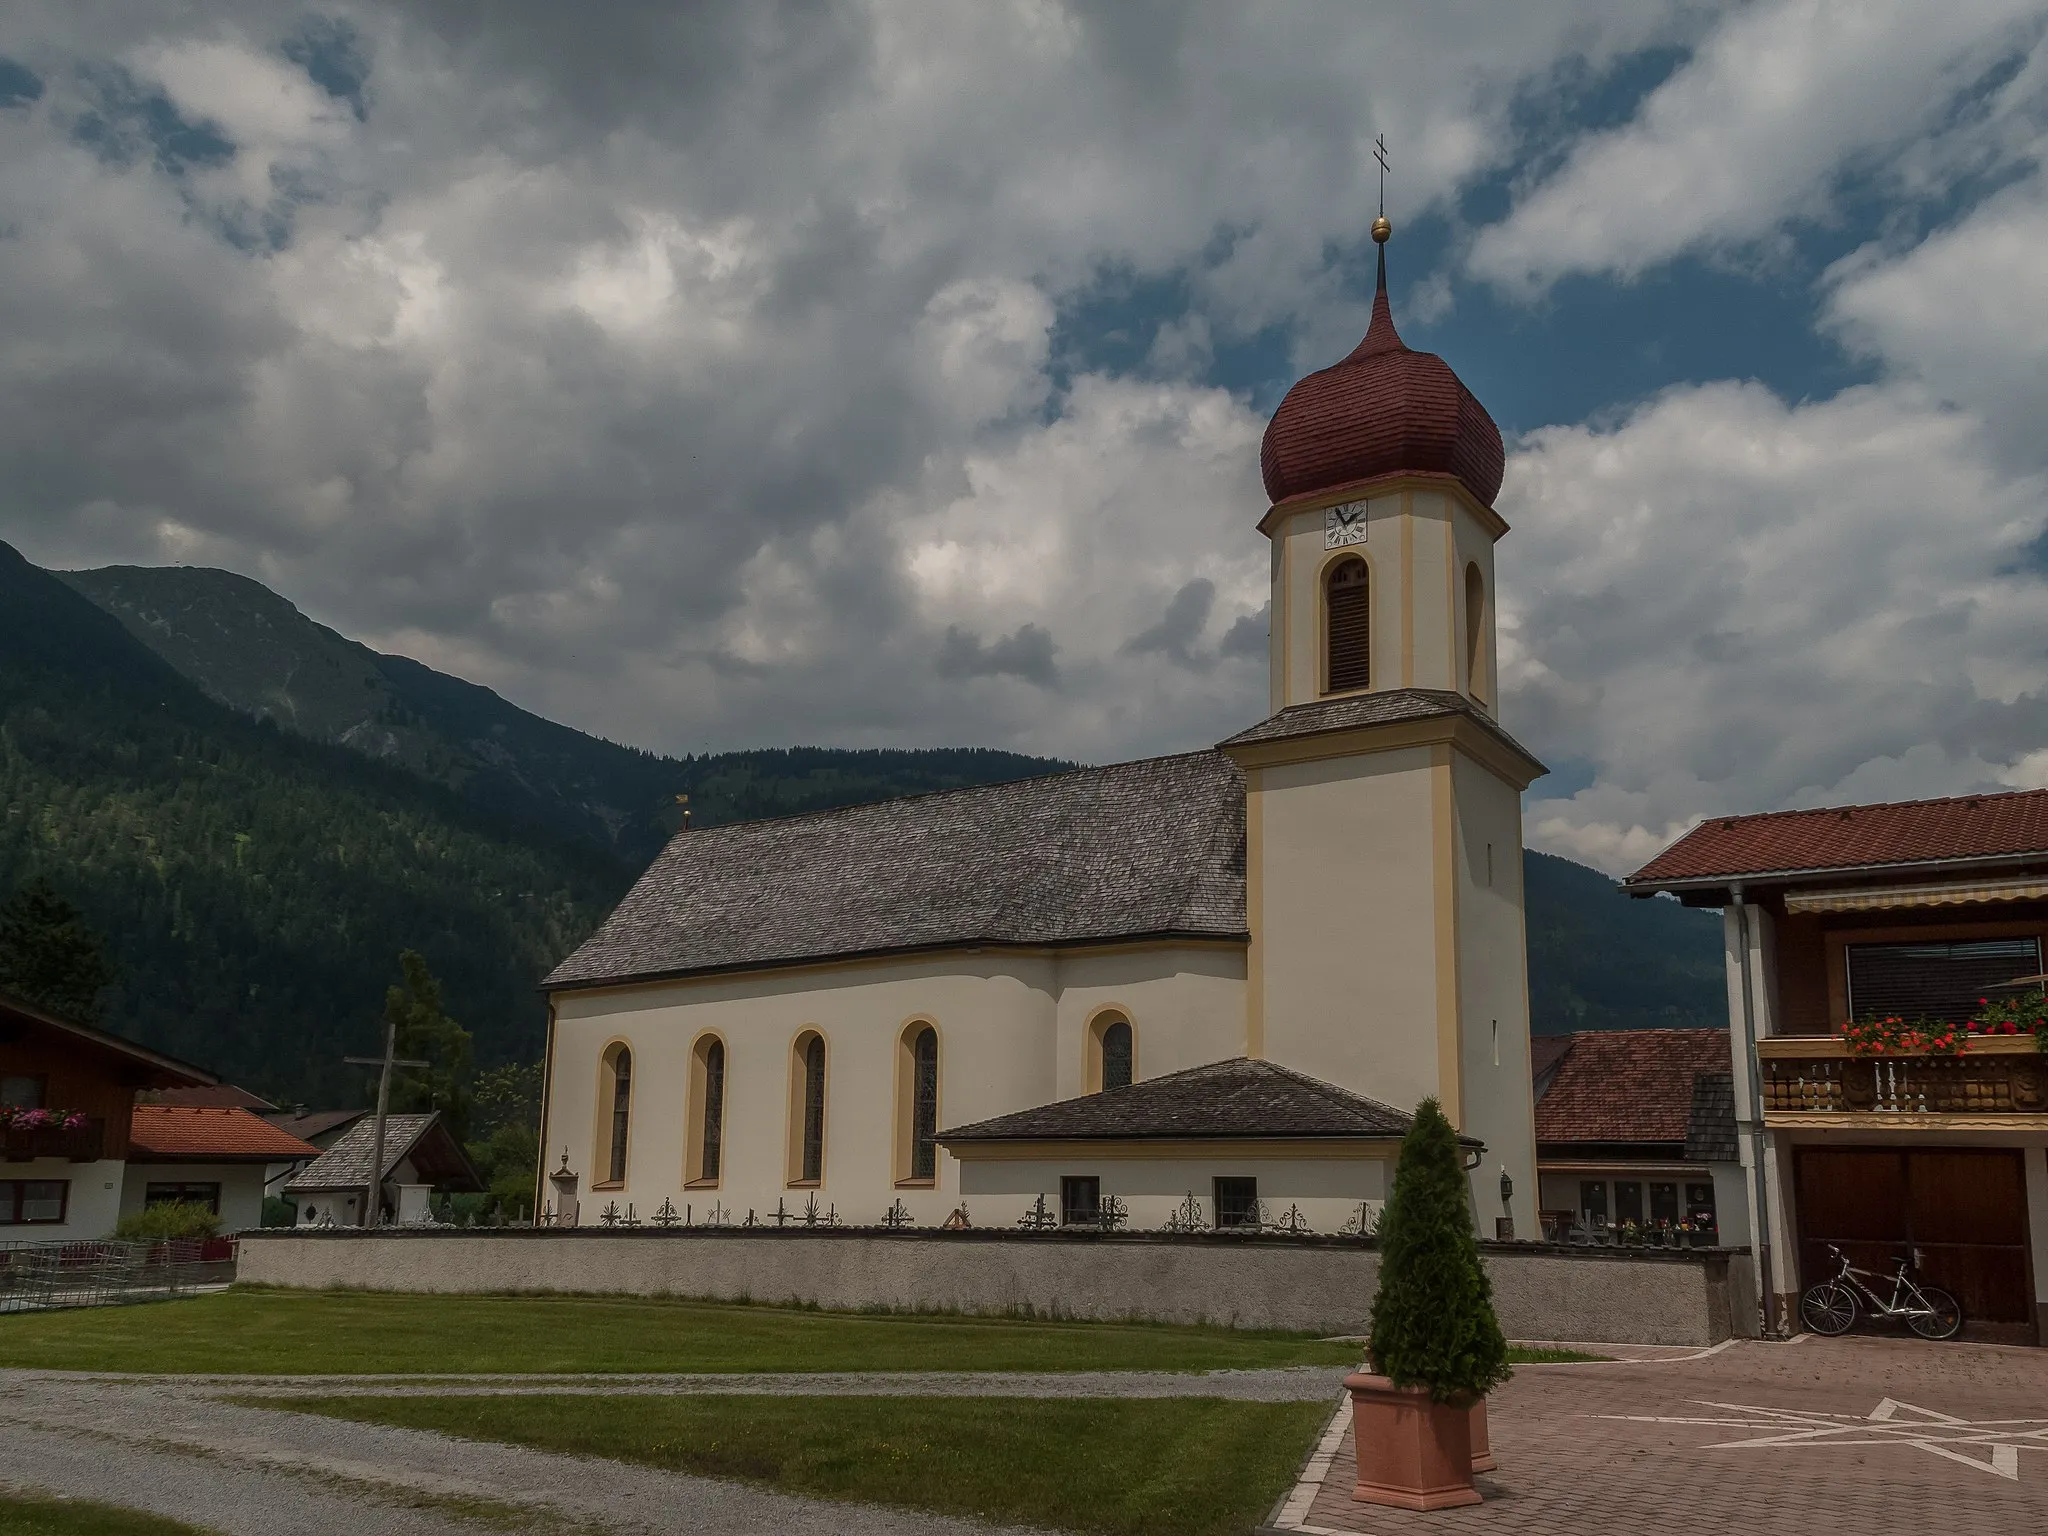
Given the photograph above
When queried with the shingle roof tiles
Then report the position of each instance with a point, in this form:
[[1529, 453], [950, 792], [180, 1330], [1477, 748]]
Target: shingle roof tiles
[[1855, 836], [1140, 849], [194, 1133], [346, 1164], [1237, 1099], [1629, 1085]]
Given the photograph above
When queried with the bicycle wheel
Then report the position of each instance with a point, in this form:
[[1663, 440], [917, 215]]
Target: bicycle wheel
[[1943, 1318], [1828, 1308]]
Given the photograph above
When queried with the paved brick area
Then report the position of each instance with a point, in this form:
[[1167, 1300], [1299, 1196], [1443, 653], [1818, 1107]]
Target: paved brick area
[[1863, 1436]]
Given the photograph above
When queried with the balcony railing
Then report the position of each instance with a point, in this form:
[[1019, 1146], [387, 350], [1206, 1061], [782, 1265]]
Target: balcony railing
[[1816, 1077], [80, 1144]]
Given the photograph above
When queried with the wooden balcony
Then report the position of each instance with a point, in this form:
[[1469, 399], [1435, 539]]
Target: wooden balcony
[[81, 1144], [1994, 1084]]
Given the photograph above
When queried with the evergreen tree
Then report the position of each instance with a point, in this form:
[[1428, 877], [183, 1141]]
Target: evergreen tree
[[1432, 1322], [48, 956], [427, 1034]]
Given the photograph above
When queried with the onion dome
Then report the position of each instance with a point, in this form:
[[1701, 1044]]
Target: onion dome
[[1384, 410]]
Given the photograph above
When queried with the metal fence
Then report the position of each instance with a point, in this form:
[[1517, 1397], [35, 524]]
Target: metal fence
[[37, 1277]]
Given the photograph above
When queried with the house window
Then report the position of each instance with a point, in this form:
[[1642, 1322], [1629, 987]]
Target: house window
[[1593, 1201], [1664, 1205], [1347, 609], [807, 1105], [1628, 1201], [1237, 1202], [26, 1202], [709, 1070], [622, 1113], [1080, 1202], [924, 1104], [1934, 981], [1475, 633], [21, 1092], [1699, 1207], [207, 1195]]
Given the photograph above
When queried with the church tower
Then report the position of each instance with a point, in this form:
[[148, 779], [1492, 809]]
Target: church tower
[[1383, 803]]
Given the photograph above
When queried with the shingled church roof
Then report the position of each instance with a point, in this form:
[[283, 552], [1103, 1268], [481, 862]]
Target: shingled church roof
[[1147, 849], [1235, 1100]]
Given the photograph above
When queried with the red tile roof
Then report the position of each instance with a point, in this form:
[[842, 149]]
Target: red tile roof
[[1383, 410], [1855, 836], [175, 1133], [1629, 1085]]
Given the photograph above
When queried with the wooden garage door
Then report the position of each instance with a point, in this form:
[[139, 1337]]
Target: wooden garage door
[[1963, 1210]]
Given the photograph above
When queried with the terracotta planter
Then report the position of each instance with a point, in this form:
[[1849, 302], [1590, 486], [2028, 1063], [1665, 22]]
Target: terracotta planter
[[1412, 1453], [1482, 1445]]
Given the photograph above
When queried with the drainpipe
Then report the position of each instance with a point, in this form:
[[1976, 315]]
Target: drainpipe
[[1759, 1245]]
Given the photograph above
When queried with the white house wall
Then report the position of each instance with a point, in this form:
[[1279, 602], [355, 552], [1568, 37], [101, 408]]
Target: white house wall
[[1010, 1037], [1327, 1191], [241, 1188], [93, 1206]]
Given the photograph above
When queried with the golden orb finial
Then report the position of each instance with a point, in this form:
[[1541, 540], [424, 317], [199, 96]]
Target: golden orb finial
[[1382, 231]]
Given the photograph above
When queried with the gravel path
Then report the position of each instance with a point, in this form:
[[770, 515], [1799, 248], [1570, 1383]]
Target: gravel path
[[172, 1446]]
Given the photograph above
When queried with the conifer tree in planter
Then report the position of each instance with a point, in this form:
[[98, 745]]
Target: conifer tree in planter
[[1436, 1347]]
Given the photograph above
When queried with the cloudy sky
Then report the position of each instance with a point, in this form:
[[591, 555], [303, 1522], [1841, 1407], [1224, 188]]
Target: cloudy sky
[[723, 375]]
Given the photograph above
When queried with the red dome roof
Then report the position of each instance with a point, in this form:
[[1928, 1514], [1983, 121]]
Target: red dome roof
[[1384, 410]]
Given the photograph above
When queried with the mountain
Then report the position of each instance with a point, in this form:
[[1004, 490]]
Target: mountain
[[260, 814], [1602, 960], [248, 648]]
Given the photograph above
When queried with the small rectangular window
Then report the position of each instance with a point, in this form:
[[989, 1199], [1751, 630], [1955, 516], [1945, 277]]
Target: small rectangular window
[[207, 1195], [25, 1201], [1664, 1204], [1628, 1201], [1593, 1201], [21, 1091], [1080, 1201], [1237, 1202]]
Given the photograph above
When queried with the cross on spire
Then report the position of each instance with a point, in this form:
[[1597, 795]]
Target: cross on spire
[[1381, 229], [1379, 153]]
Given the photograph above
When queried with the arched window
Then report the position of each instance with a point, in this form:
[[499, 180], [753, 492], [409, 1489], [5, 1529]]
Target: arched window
[[807, 1109], [1116, 1055], [621, 1065], [1112, 1057], [917, 1104], [707, 1103], [1347, 609], [1475, 632]]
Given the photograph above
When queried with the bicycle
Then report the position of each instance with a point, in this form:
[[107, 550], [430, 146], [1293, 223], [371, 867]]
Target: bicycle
[[1832, 1306]]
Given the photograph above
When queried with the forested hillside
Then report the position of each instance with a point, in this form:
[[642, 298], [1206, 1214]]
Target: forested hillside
[[260, 814]]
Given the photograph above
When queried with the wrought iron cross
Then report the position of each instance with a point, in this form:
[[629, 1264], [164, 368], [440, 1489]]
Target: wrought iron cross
[[1379, 153]]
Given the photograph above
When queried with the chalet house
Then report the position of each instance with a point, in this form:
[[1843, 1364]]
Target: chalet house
[[1926, 912], [1637, 1127], [78, 1151]]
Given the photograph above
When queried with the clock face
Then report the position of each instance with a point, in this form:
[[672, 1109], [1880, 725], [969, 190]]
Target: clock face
[[1344, 525]]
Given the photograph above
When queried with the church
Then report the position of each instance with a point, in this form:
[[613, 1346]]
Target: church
[[1199, 991]]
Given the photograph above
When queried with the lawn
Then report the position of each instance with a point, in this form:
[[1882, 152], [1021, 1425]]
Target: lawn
[[257, 1332], [1108, 1467], [28, 1515]]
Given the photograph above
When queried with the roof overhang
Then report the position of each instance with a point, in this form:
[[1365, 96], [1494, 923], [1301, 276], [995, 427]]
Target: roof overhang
[[1723, 885], [1386, 485], [158, 1070], [1494, 750]]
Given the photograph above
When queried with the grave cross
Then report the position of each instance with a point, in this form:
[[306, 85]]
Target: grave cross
[[373, 1188]]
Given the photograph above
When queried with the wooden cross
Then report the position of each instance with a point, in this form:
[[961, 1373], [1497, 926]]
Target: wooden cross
[[373, 1189]]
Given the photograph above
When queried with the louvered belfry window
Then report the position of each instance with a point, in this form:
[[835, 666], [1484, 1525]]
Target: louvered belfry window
[[924, 1105], [1347, 606]]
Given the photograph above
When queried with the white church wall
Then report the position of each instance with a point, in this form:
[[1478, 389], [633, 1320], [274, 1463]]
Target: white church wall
[[1010, 1029], [1185, 1005], [1494, 1101], [1342, 888], [1327, 1190]]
